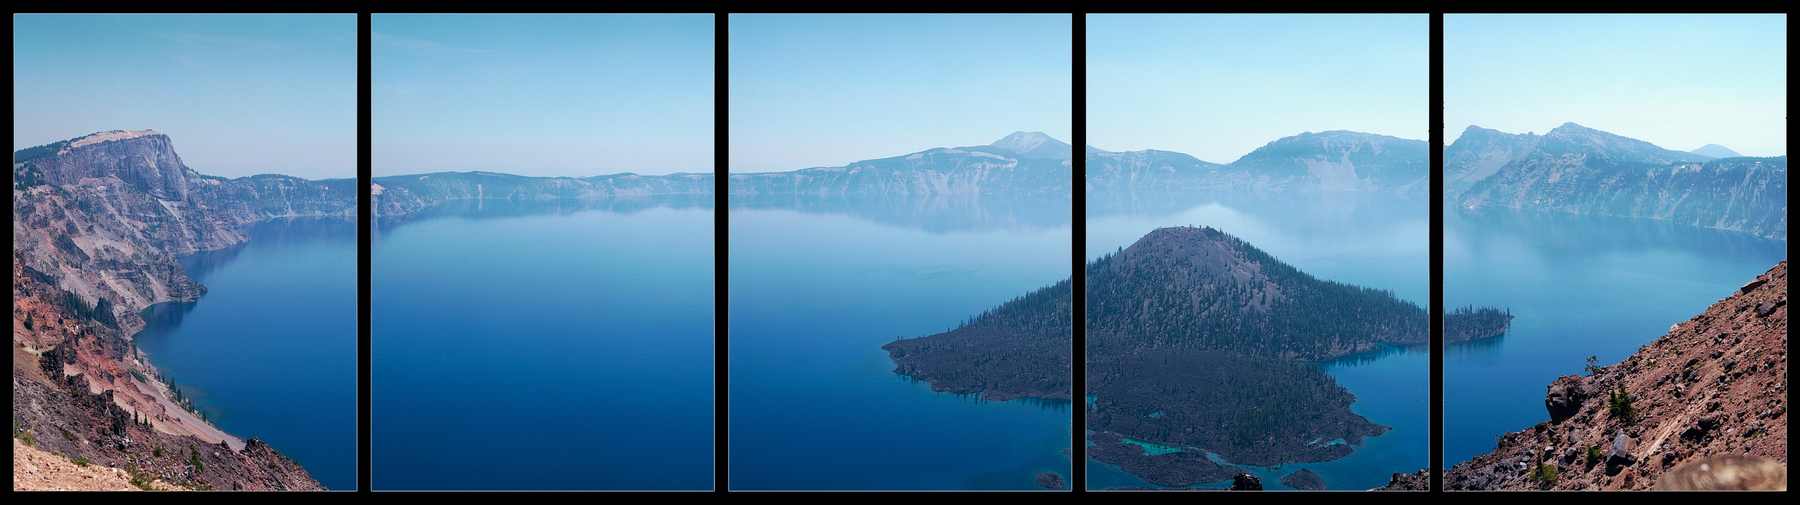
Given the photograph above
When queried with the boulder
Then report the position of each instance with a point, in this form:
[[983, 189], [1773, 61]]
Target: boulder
[[1566, 395]]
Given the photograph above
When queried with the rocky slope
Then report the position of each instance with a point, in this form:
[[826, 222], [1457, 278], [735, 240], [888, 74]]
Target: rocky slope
[[1585, 171], [97, 224], [976, 170], [1308, 162], [1715, 384]]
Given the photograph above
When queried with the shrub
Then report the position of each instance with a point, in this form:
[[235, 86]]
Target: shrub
[[1619, 404], [1544, 474]]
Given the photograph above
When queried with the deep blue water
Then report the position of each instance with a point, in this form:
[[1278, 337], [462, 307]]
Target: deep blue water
[[549, 348], [1578, 286], [814, 295], [270, 351], [1378, 241]]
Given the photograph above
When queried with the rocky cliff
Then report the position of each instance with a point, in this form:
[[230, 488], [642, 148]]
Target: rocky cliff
[[1308, 162], [1713, 385], [97, 224], [1585, 171], [977, 170]]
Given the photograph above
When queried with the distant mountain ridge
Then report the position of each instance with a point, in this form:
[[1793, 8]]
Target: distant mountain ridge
[[1335, 160], [1716, 151], [1045, 168], [398, 195], [1581, 170]]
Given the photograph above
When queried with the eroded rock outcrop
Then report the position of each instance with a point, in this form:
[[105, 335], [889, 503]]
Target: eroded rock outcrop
[[97, 224]]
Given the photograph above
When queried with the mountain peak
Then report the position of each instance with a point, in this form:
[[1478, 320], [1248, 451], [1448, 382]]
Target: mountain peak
[[1035, 145], [1574, 138], [1716, 151]]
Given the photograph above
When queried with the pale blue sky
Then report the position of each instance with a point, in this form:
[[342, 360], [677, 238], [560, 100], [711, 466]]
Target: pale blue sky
[[1677, 81], [1219, 86], [828, 90], [543, 95], [237, 95]]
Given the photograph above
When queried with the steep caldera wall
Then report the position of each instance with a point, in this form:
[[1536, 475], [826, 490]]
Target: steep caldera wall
[[1305, 163], [402, 195], [1716, 384], [1045, 168], [97, 224], [1585, 171]]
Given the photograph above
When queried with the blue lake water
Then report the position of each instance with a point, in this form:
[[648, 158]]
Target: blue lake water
[[1378, 241], [817, 286], [1577, 286], [550, 346], [270, 351]]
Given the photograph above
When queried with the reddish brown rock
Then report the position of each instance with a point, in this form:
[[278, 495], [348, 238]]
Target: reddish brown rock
[[1714, 385]]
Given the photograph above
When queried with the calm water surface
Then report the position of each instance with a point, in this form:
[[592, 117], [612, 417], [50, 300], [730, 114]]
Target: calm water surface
[[270, 351], [817, 286], [1368, 240], [1578, 286], [550, 346]]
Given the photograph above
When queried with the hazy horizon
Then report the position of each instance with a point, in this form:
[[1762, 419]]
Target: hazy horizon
[[1219, 86], [238, 95], [1677, 81], [829, 90], [573, 95]]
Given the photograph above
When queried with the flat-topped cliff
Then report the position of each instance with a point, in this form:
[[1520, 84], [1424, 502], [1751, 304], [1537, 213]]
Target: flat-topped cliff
[[97, 224]]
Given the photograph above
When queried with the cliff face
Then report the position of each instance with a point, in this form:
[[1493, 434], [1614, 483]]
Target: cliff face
[[97, 224], [978, 170], [1585, 171], [143, 160], [1715, 384], [1478, 154], [1157, 170], [1304, 163]]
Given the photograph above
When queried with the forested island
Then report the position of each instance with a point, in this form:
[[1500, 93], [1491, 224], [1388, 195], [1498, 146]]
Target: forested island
[[1196, 341], [1470, 323]]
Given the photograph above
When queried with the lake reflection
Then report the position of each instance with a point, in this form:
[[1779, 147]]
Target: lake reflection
[[544, 345]]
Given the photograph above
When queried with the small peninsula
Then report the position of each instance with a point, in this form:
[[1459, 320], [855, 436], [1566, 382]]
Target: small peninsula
[[1470, 323]]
